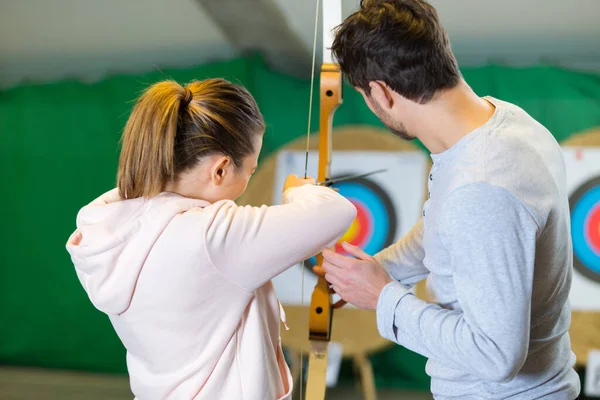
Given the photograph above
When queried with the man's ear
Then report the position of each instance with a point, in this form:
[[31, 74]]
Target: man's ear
[[220, 170], [382, 94]]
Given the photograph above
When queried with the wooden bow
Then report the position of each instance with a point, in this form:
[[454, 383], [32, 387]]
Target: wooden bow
[[321, 306]]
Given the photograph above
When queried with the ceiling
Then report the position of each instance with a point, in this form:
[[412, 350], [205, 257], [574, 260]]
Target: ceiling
[[42, 41]]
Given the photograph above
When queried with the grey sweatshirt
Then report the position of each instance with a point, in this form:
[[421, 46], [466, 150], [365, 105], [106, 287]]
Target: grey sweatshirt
[[494, 244]]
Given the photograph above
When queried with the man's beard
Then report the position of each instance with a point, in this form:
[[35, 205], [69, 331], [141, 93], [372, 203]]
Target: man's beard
[[400, 132], [396, 127]]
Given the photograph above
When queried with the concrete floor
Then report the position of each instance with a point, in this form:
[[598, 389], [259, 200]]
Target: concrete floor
[[30, 384]]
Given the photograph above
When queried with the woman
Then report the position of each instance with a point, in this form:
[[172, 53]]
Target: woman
[[183, 272]]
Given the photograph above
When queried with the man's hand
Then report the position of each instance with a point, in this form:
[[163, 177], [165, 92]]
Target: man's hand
[[358, 280]]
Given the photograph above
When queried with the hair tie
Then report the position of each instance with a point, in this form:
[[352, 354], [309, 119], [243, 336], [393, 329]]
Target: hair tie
[[188, 98]]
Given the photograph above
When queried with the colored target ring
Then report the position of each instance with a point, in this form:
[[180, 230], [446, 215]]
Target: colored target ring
[[585, 228], [374, 227]]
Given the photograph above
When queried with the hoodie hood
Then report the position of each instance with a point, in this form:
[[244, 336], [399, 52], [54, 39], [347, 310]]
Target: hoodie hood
[[113, 239]]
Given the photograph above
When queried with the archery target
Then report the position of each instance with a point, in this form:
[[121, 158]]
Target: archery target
[[374, 227], [585, 228], [583, 181], [388, 204]]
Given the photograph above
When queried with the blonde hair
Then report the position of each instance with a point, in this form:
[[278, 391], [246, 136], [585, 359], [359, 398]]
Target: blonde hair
[[171, 128]]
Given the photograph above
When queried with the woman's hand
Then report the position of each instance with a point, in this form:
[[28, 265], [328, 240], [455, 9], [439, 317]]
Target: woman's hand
[[293, 181]]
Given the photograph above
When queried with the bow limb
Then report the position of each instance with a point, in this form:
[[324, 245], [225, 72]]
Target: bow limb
[[321, 307]]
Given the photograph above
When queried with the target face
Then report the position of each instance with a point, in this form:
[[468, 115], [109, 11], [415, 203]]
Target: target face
[[585, 228], [374, 227], [386, 210]]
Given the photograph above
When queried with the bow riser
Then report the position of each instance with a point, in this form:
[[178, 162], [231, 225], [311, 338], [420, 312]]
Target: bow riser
[[331, 98]]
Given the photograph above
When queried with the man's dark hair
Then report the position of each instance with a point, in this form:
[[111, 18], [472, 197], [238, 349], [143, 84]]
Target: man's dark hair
[[399, 42]]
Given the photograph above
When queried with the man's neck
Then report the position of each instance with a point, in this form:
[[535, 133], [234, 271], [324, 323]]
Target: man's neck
[[451, 116]]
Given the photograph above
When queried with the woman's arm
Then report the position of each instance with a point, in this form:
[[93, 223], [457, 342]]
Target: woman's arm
[[251, 245]]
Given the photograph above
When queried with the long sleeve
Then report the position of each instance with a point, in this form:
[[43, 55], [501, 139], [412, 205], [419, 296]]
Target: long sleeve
[[250, 245], [490, 238], [404, 259]]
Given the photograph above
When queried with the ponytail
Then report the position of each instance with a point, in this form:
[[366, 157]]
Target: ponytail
[[171, 128]]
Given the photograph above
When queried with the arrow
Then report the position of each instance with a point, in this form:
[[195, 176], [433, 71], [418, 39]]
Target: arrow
[[330, 182]]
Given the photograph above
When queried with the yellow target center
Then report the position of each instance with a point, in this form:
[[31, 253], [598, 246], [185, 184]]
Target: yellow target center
[[351, 232]]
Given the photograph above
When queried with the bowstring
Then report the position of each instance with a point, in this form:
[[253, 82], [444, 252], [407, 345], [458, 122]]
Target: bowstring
[[312, 80], [310, 104]]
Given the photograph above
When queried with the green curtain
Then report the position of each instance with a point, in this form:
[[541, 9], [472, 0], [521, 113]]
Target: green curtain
[[59, 150]]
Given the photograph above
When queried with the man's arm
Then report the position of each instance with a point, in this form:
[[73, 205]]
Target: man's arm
[[490, 238], [403, 260]]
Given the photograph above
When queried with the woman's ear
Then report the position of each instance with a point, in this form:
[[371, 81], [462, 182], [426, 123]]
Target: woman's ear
[[220, 169]]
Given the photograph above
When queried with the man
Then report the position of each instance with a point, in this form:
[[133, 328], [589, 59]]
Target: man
[[494, 241]]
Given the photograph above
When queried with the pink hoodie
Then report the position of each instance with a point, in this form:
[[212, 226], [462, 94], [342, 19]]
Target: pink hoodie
[[186, 285]]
